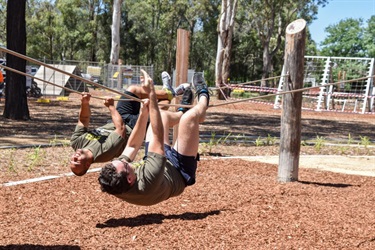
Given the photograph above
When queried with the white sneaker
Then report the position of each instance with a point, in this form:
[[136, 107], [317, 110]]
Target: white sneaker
[[166, 78]]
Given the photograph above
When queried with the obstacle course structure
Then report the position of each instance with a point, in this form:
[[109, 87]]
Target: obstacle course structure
[[354, 91]]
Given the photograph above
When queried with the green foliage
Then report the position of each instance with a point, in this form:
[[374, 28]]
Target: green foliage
[[319, 143], [56, 142], [344, 39], [3, 15], [259, 142], [343, 150], [270, 140], [350, 139], [208, 147], [365, 141], [237, 93], [80, 30], [35, 158], [369, 36], [12, 166]]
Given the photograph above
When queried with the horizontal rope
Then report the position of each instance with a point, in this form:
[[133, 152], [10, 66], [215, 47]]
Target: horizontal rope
[[66, 73], [291, 91]]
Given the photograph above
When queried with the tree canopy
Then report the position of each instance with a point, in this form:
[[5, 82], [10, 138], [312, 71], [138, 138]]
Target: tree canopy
[[81, 30]]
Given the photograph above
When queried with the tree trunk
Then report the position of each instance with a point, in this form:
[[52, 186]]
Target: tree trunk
[[15, 95], [224, 44], [116, 20], [266, 67]]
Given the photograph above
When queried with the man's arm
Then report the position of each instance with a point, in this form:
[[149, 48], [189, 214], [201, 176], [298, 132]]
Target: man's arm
[[116, 117], [138, 134], [156, 145], [85, 111]]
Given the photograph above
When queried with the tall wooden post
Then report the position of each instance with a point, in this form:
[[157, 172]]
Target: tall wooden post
[[182, 56], [290, 136], [119, 76], [182, 63]]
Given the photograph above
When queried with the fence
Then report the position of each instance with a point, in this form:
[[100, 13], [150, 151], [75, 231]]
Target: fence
[[130, 74], [104, 74], [356, 93]]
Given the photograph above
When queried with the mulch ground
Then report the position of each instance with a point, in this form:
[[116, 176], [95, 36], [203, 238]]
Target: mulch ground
[[235, 204]]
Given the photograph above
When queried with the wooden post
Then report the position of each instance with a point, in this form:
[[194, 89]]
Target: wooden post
[[290, 135], [182, 56], [182, 63], [119, 76]]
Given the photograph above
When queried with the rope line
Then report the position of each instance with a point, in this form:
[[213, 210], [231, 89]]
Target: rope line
[[291, 91], [172, 105], [77, 92], [28, 75], [67, 73]]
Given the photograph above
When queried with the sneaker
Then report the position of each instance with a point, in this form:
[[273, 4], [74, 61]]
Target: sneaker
[[166, 78], [200, 85], [181, 88], [167, 86], [187, 99]]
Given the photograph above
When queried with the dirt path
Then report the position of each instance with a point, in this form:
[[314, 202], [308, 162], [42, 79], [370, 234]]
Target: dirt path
[[354, 165]]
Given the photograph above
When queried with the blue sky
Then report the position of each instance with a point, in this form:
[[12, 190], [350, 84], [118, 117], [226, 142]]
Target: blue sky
[[337, 10]]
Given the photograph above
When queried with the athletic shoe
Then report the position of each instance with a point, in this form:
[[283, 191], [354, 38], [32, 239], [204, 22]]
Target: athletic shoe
[[187, 99], [200, 86], [181, 88], [167, 86]]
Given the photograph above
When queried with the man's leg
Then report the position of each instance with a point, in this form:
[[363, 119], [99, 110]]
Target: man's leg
[[187, 142], [169, 120], [188, 130]]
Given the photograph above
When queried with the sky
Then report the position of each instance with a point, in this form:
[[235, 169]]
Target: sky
[[337, 10]]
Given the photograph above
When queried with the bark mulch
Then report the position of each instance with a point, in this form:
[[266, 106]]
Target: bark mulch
[[235, 204]]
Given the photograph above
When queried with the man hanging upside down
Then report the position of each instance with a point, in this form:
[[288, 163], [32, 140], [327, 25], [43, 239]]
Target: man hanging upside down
[[165, 171], [107, 142]]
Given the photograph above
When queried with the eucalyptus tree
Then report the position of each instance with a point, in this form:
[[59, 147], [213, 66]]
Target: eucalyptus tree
[[143, 31], [16, 107], [115, 31], [151, 31], [270, 17], [369, 37], [96, 9], [43, 30], [204, 39], [344, 39], [3, 14], [75, 28], [224, 41]]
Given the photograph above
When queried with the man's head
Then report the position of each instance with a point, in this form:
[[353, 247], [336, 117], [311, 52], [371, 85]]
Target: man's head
[[80, 162], [116, 177]]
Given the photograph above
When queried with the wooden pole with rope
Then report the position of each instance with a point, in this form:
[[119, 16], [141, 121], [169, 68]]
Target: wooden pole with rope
[[290, 134]]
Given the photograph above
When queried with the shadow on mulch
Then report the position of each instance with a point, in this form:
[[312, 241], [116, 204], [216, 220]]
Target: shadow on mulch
[[148, 219]]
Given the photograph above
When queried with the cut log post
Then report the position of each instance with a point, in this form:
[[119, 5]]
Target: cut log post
[[182, 64], [290, 134]]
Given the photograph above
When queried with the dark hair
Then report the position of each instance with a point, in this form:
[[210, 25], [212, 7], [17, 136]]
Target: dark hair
[[112, 182]]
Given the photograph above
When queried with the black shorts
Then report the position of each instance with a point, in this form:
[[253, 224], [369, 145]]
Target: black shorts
[[129, 110], [187, 165]]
